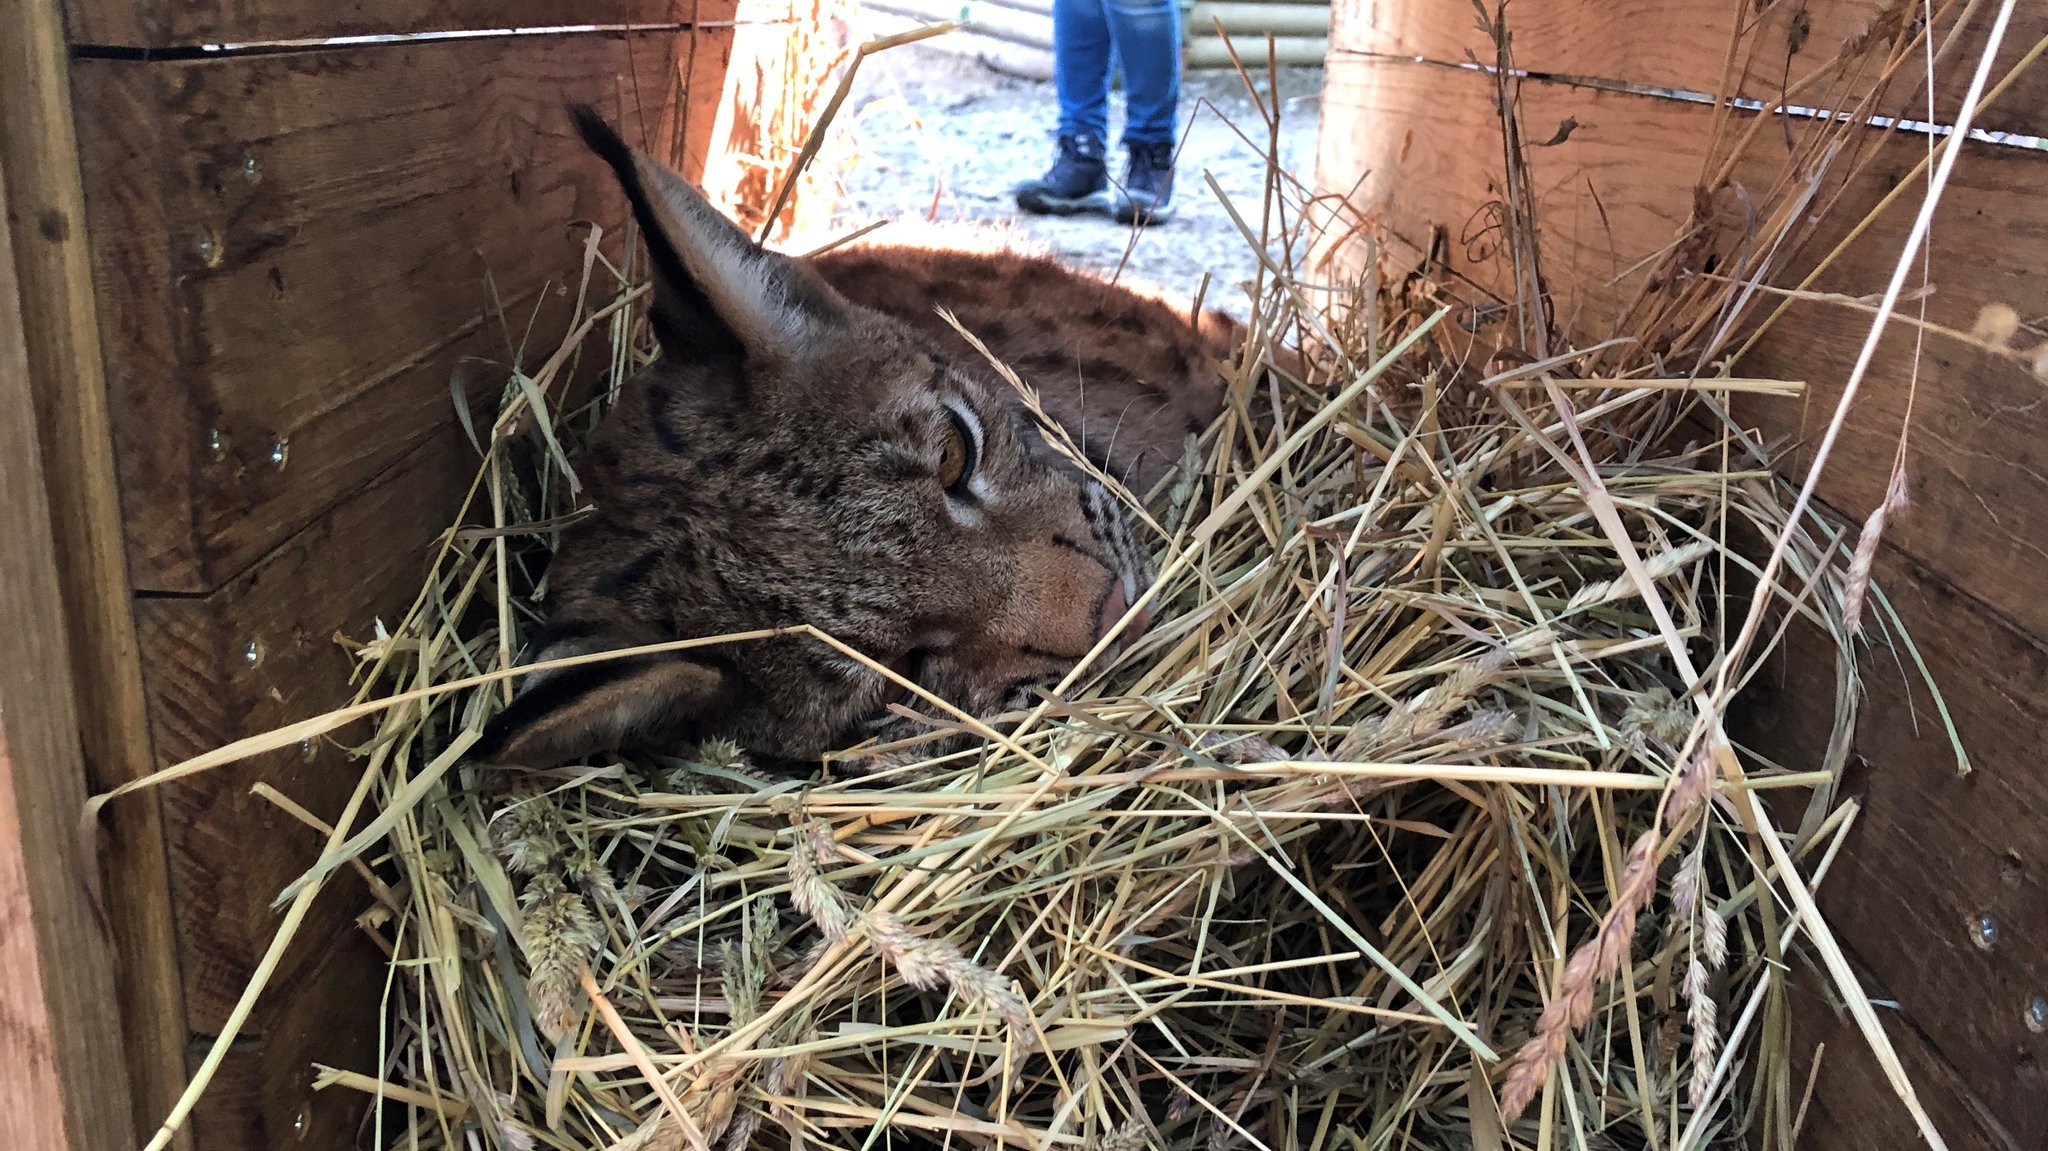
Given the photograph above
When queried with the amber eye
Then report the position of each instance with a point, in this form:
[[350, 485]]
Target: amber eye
[[956, 457]]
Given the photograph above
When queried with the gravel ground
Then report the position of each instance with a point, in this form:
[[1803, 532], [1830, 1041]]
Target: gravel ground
[[935, 134]]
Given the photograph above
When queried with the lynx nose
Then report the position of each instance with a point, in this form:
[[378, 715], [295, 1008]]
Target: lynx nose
[[1114, 607]]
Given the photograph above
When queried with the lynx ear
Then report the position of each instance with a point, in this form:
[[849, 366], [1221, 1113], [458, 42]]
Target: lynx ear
[[715, 290], [596, 707]]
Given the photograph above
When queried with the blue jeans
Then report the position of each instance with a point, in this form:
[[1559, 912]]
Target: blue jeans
[[1146, 37]]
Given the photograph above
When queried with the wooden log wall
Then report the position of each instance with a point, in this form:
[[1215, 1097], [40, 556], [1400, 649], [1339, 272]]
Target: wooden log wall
[[255, 267], [1015, 36], [1413, 139], [1218, 29]]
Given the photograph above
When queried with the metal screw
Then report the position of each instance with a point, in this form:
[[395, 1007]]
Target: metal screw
[[216, 444], [252, 652], [1984, 931], [209, 249], [250, 168], [2037, 1014], [280, 451]]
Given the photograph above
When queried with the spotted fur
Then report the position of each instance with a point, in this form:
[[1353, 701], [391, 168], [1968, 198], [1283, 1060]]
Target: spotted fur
[[784, 463], [1124, 373]]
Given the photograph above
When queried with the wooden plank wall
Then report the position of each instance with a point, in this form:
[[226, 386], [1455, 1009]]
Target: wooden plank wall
[[133, 24], [273, 263], [1414, 140]]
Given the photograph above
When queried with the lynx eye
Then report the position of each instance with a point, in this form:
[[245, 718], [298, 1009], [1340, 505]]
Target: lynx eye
[[958, 456]]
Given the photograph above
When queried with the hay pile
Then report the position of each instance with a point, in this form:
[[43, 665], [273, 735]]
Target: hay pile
[[1402, 827], [1404, 760], [1299, 868]]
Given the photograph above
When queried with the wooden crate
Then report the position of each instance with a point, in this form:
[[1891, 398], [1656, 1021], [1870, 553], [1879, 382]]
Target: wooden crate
[[1416, 144], [254, 265]]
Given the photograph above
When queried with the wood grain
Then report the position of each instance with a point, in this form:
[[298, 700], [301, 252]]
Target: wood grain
[[1685, 45], [60, 331], [1622, 186], [1853, 1108], [309, 268], [263, 1097], [130, 24], [1974, 461], [231, 852], [58, 1013], [1935, 850], [29, 1032]]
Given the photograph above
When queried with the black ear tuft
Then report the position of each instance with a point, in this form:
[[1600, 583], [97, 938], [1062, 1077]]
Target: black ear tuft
[[598, 135], [683, 316], [716, 291]]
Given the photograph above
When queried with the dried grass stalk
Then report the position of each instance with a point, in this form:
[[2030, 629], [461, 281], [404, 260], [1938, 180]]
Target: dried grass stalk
[[1595, 961]]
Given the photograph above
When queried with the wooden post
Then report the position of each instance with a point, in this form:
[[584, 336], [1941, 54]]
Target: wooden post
[[61, 1077], [53, 411]]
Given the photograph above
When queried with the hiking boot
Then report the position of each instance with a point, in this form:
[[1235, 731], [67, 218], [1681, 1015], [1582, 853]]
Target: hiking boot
[[1073, 184], [1148, 185]]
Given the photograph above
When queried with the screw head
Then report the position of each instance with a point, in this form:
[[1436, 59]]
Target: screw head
[[2036, 1014], [250, 167], [252, 652], [1984, 931], [280, 451]]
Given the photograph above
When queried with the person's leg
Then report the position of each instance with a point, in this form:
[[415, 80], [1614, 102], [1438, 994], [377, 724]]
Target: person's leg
[[1081, 40], [1147, 36], [1080, 52]]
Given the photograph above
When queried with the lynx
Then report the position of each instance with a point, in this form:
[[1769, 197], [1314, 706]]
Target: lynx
[[816, 445]]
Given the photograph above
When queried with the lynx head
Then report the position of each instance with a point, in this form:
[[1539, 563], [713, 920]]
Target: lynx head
[[793, 459]]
